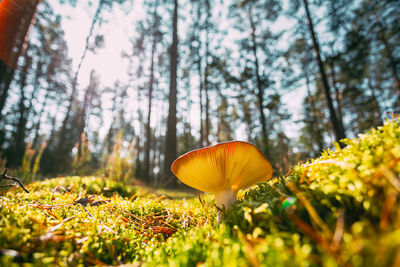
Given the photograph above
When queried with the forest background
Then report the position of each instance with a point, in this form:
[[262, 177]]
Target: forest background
[[288, 76]]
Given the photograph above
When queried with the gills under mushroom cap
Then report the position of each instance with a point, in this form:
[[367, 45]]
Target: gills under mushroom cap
[[232, 165]]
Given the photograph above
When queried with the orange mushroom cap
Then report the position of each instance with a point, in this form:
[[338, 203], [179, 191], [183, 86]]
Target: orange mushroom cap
[[231, 165]]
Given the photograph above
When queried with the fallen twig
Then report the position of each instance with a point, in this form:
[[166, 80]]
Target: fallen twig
[[15, 179]]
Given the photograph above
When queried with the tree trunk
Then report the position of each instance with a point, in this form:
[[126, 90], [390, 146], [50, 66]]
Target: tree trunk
[[150, 97], [36, 85], [18, 147], [6, 76], [15, 18], [85, 109], [206, 73], [260, 89], [37, 126], [200, 76], [201, 104], [207, 107], [339, 133], [338, 96], [314, 121], [375, 104], [187, 130], [170, 146]]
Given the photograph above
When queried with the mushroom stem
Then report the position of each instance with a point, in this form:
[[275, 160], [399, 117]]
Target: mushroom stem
[[224, 198]]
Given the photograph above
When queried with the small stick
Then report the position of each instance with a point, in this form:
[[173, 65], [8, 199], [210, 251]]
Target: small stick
[[15, 179]]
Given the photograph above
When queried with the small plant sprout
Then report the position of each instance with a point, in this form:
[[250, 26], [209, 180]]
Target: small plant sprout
[[223, 169]]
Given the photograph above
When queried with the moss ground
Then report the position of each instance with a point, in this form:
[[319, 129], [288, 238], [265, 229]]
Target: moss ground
[[341, 209]]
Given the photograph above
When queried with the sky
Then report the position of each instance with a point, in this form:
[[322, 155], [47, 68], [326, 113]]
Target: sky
[[118, 27]]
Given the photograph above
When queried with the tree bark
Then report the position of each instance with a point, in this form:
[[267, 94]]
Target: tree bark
[[206, 73], [199, 69], [339, 133], [171, 146], [260, 89], [85, 109], [18, 147], [314, 123], [375, 104], [150, 97], [338, 96], [36, 85], [37, 126], [201, 103]]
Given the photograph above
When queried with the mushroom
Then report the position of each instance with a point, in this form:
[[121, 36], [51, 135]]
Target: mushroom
[[223, 169]]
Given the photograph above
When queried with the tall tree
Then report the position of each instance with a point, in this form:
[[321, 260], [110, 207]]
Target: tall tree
[[18, 145], [255, 18], [338, 130], [206, 72], [170, 141], [156, 38], [91, 102], [260, 87]]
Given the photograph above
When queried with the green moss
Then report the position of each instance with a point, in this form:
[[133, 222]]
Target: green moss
[[339, 209]]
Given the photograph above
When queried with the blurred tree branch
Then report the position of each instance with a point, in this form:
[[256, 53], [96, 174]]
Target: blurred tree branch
[[14, 179]]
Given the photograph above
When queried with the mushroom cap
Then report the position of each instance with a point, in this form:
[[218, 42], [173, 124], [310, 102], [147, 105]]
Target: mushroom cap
[[234, 165]]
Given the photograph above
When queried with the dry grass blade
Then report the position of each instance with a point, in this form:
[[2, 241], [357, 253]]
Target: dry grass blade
[[203, 204], [395, 181], [313, 213], [338, 235], [387, 208]]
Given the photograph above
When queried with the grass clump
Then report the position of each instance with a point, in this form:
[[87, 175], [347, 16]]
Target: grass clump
[[341, 209]]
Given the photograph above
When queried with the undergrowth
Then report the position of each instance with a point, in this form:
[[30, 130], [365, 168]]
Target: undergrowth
[[341, 209]]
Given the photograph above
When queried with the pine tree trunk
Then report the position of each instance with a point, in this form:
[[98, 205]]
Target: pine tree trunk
[[260, 89], [85, 108], [314, 121], [375, 104], [148, 127], [206, 73], [201, 104], [6, 76], [188, 128], [338, 96], [207, 107], [339, 133], [200, 78], [39, 116], [171, 145], [18, 148]]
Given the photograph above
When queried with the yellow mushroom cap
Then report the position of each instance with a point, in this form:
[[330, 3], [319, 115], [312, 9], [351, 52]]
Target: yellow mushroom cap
[[231, 165]]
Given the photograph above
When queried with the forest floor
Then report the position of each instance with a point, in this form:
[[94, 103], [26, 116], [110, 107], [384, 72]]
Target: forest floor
[[341, 209]]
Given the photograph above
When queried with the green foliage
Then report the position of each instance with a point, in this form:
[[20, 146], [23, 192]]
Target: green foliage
[[340, 209]]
